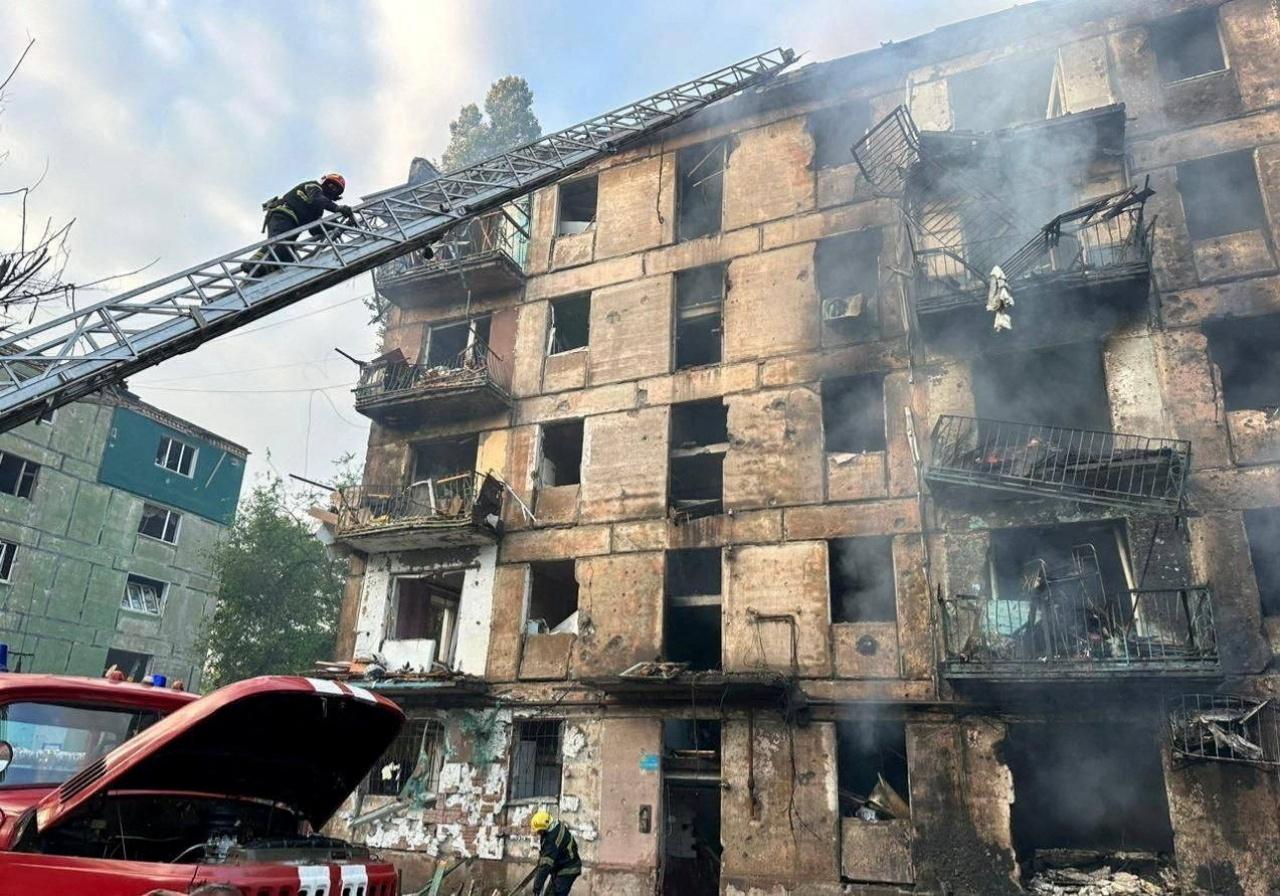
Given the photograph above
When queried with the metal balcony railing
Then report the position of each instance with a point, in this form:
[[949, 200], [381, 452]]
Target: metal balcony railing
[[447, 501], [499, 235], [1107, 468], [1224, 728], [1149, 630], [476, 366]]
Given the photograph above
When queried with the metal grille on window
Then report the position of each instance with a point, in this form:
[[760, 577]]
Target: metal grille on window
[[536, 761], [411, 765], [143, 596]]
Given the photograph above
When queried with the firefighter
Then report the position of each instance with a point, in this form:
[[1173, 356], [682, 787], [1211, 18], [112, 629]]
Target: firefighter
[[558, 857], [303, 205]]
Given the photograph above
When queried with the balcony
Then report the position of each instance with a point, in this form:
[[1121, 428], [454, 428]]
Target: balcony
[[1030, 460], [473, 383], [1073, 633], [486, 257], [449, 511]]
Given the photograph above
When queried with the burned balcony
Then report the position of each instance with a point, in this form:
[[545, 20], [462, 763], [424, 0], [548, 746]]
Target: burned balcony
[[462, 509], [485, 256], [1064, 629], [1032, 460], [1224, 728], [472, 383]]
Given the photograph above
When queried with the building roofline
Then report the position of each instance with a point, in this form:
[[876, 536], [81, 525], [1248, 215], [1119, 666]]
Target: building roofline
[[121, 397]]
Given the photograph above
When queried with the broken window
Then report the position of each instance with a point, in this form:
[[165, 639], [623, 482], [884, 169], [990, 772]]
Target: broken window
[[8, 550], [835, 129], [176, 456], [692, 619], [561, 454], [699, 316], [871, 769], [133, 665], [160, 523], [447, 342], [577, 205], [1247, 353], [853, 414], [553, 596], [17, 475], [699, 441], [416, 754], [1113, 800], [1187, 45], [570, 324], [847, 269], [535, 759], [861, 579], [1263, 529], [700, 189], [426, 608], [1003, 94], [143, 595], [1220, 195], [1063, 385]]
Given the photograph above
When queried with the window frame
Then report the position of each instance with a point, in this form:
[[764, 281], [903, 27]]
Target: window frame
[[515, 777], [1167, 23], [164, 452], [552, 351], [26, 480], [171, 516], [417, 729], [127, 602], [8, 556]]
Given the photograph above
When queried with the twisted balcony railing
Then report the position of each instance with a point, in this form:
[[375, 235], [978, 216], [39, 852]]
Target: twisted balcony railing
[[1112, 469], [499, 235], [447, 501], [1146, 630], [476, 366]]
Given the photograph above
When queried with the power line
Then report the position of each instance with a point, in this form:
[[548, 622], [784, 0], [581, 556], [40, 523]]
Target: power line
[[248, 391], [199, 376]]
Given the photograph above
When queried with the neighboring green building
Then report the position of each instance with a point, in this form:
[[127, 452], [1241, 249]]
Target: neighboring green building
[[109, 508]]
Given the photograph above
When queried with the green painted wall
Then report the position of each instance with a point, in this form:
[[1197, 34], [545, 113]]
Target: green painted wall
[[128, 462], [78, 541]]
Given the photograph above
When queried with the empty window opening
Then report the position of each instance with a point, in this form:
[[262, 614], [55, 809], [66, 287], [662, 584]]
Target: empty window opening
[[143, 595], [1062, 385], [570, 324], [1188, 45], [700, 189], [445, 459], [692, 618], [577, 205], [426, 609], [176, 456], [691, 802], [1220, 195], [1003, 94], [536, 765], [699, 440], [699, 316], [446, 343], [861, 579], [8, 550], [690, 746], [1247, 353], [416, 755], [847, 269], [553, 596], [561, 454], [1263, 528], [47, 416], [133, 665], [853, 414], [160, 523], [871, 769], [1086, 786], [835, 129]]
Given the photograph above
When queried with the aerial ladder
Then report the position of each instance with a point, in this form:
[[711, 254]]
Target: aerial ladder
[[78, 353]]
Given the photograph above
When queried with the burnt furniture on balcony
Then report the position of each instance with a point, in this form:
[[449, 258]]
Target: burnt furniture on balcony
[[458, 510], [473, 383], [485, 256], [1031, 460]]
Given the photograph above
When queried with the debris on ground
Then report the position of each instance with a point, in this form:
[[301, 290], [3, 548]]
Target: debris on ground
[[1083, 873]]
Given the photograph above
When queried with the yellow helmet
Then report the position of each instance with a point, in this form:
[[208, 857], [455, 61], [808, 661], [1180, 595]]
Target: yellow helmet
[[541, 821]]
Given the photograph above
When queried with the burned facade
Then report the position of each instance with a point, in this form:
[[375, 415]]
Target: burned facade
[[873, 484]]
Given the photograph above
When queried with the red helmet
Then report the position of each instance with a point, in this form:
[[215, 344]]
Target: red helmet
[[336, 179]]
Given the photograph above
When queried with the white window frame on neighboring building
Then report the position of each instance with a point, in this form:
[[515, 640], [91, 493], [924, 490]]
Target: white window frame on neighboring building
[[48, 416], [172, 523], [8, 552], [26, 477], [135, 601], [165, 456]]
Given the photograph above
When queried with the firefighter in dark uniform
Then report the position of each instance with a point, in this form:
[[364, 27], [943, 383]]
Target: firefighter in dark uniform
[[558, 857], [304, 204]]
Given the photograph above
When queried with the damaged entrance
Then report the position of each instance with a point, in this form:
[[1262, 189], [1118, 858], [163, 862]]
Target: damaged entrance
[[691, 848]]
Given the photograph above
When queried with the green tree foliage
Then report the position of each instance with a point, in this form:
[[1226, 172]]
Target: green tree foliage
[[279, 593], [507, 121]]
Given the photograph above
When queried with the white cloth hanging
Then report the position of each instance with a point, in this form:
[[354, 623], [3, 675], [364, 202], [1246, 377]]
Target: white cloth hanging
[[1000, 299]]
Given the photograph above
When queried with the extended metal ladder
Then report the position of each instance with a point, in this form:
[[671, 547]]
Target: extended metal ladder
[[61, 360]]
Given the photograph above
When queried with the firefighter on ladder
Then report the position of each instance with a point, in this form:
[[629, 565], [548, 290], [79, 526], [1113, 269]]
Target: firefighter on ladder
[[557, 858], [304, 204]]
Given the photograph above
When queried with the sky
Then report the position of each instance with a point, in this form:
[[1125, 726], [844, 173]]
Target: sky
[[161, 127]]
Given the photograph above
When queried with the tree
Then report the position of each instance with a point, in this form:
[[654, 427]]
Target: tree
[[279, 593], [507, 121]]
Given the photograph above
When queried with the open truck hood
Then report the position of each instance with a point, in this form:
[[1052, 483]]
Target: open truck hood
[[301, 742]]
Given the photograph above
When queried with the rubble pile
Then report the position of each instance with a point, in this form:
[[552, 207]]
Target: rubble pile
[[1065, 872]]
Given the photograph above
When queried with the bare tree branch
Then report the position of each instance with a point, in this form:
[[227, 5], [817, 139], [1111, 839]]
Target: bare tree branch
[[31, 42]]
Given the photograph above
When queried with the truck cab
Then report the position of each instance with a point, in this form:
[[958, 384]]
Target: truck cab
[[116, 789]]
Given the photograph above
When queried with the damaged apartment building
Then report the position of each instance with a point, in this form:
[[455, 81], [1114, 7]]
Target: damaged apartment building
[[871, 484]]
